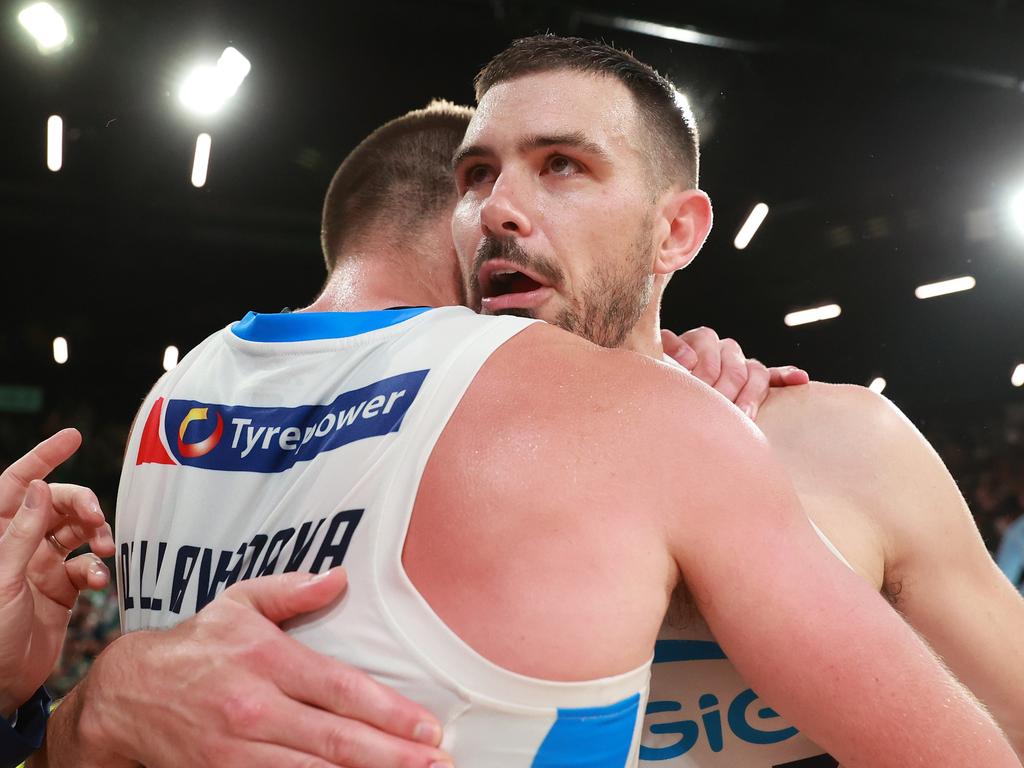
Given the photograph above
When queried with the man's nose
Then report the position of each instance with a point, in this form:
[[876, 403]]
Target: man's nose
[[503, 213]]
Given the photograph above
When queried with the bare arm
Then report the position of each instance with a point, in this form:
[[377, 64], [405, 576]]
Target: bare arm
[[802, 628], [945, 581]]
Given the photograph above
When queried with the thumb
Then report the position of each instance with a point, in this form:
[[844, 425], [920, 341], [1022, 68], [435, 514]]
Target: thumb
[[25, 533], [678, 349], [286, 595]]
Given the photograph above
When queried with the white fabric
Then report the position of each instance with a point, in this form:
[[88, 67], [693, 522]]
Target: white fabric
[[256, 493]]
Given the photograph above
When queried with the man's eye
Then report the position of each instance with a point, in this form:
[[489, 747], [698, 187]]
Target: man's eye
[[478, 174], [562, 165]]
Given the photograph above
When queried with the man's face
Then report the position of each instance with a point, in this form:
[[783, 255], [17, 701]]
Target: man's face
[[554, 218]]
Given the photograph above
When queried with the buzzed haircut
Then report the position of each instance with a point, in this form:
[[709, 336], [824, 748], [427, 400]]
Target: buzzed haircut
[[396, 180], [672, 143]]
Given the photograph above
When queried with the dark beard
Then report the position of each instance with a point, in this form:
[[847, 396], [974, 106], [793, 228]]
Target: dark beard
[[610, 304]]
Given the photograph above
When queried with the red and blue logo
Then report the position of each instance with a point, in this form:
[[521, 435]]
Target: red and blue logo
[[242, 438]]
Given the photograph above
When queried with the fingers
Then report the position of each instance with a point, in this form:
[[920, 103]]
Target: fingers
[[339, 741], [87, 572], [35, 465], [284, 596], [336, 687], [678, 350], [25, 533], [788, 376], [755, 391], [733, 374], [706, 344]]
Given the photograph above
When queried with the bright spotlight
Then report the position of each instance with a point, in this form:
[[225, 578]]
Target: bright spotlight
[[54, 143], [1017, 378], [201, 162], [45, 25], [812, 315], [957, 284], [60, 350], [749, 228], [170, 357], [1017, 210], [877, 385], [207, 88]]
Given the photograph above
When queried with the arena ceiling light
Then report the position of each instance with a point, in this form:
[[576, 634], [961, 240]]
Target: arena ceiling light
[[957, 284], [877, 385], [170, 357], [201, 161], [54, 143], [750, 226], [1017, 377], [206, 89], [813, 315], [60, 350], [1017, 211], [46, 25]]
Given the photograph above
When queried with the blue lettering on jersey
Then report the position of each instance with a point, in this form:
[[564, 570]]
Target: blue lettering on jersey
[[212, 571], [744, 721], [242, 438]]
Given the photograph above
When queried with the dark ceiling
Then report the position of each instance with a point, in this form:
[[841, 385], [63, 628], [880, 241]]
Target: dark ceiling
[[886, 135]]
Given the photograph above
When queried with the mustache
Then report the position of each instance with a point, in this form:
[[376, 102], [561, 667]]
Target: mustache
[[509, 249]]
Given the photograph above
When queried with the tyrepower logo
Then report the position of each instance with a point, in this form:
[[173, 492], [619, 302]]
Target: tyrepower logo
[[242, 438]]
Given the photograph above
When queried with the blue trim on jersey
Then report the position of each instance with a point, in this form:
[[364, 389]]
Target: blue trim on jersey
[[687, 650], [313, 326], [591, 737]]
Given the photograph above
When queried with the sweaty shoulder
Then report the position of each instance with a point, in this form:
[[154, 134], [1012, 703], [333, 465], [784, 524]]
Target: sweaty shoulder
[[847, 436], [557, 473]]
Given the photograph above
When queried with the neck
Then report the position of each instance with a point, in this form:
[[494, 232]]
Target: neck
[[361, 285], [645, 337]]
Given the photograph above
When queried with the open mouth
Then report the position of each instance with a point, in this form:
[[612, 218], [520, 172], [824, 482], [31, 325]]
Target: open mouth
[[505, 286], [503, 283]]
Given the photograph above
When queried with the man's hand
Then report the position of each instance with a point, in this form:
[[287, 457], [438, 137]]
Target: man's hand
[[38, 587], [229, 688], [721, 364]]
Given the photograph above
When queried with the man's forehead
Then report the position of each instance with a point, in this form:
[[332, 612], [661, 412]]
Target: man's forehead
[[562, 102]]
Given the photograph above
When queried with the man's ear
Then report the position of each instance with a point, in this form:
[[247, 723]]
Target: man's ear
[[684, 221]]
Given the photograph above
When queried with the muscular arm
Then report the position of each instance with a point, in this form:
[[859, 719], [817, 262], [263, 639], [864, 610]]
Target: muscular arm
[[936, 566], [810, 636]]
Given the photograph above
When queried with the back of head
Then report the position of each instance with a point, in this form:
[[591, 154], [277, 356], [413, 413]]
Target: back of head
[[672, 141], [397, 180]]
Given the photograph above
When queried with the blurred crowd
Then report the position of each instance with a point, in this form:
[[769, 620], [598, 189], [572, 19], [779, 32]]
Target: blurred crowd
[[984, 453]]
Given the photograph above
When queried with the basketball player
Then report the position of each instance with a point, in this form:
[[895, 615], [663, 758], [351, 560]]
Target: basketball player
[[551, 224], [512, 510]]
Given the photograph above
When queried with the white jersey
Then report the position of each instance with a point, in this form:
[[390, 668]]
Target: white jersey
[[296, 442], [702, 714]]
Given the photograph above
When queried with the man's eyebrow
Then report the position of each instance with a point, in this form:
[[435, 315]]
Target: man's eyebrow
[[464, 153], [575, 139]]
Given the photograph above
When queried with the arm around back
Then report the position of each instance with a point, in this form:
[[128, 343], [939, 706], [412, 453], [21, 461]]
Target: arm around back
[[799, 626]]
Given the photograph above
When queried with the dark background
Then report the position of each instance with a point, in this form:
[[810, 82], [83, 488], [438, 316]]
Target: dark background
[[875, 130]]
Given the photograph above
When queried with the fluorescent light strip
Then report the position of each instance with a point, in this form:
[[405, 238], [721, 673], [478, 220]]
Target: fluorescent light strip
[[668, 32], [812, 315], [957, 284], [60, 350], [170, 357], [877, 385], [749, 228], [54, 143], [201, 162], [1017, 379]]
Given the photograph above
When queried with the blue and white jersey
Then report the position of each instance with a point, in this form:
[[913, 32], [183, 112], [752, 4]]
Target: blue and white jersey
[[297, 442]]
